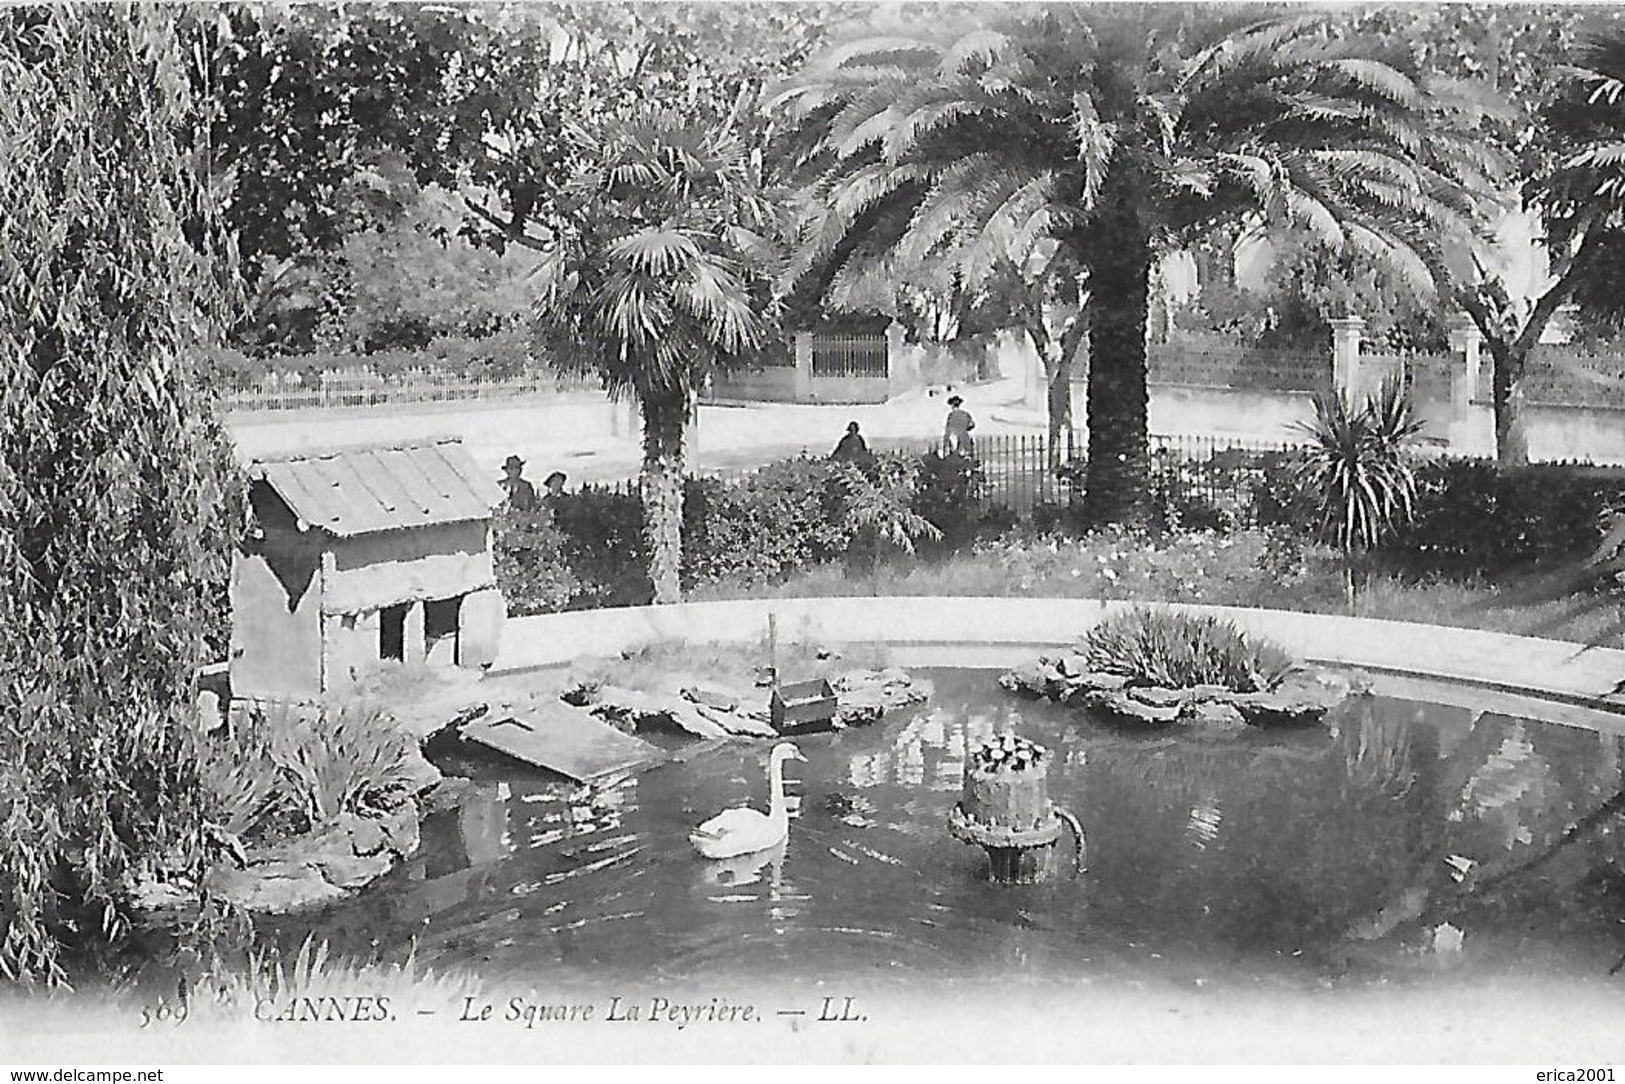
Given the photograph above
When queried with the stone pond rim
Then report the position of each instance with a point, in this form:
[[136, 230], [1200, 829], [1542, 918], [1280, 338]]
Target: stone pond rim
[[1013, 629]]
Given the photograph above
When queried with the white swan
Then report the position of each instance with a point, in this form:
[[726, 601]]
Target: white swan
[[743, 830]]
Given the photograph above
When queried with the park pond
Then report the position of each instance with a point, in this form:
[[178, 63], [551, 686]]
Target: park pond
[[1403, 842]]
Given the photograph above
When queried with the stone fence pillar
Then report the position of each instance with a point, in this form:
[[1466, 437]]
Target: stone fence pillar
[[804, 359], [1346, 338], [1035, 386], [1466, 340], [899, 359]]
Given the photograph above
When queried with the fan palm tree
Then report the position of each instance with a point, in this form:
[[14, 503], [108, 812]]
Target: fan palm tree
[[1109, 135], [659, 277]]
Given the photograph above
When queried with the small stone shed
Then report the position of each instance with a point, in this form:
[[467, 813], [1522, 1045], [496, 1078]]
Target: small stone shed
[[356, 555]]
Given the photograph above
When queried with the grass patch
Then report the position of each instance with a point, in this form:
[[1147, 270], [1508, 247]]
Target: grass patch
[[1264, 569], [1177, 651], [231, 991]]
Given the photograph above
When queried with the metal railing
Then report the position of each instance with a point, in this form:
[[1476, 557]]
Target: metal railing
[[849, 356], [1220, 471], [360, 387], [1238, 368]]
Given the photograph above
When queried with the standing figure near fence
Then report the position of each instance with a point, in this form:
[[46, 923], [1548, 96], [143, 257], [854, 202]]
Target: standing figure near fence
[[956, 431], [521, 494], [852, 447]]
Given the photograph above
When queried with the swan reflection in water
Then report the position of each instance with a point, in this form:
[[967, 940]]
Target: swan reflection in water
[[747, 869]]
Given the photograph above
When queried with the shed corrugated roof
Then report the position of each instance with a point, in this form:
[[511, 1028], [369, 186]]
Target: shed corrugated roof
[[354, 491]]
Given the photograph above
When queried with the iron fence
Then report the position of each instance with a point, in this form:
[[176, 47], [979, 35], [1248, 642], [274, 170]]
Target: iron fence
[[1234, 367], [1566, 376], [847, 356], [1219, 474], [360, 387]]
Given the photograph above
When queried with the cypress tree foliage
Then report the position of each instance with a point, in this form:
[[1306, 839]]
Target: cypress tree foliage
[[118, 493]]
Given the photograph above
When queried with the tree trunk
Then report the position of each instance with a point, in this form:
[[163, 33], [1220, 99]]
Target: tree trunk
[[1507, 362], [1058, 397], [1058, 355], [664, 422], [1119, 253]]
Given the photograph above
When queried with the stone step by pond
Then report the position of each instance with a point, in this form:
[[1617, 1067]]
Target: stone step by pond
[[563, 739]]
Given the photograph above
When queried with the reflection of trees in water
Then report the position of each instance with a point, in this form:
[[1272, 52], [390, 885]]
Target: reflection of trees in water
[[1252, 839], [1377, 748], [929, 749], [1523, 817]]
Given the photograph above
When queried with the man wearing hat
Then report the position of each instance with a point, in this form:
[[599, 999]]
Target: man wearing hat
[[956, 433], [521, 494]]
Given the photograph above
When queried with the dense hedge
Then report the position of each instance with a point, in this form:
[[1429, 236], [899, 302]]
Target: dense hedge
[[587, 548], [1471, 517], [1469, 513], [798, 514]]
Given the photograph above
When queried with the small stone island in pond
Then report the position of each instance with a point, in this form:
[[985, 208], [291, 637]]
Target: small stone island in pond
[[1005, 809]]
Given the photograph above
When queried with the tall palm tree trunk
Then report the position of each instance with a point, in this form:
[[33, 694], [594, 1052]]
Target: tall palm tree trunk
[[1119, 253], [664, 421]]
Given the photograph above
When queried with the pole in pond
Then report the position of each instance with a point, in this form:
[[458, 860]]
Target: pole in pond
[[773, 647], [1005, 809]]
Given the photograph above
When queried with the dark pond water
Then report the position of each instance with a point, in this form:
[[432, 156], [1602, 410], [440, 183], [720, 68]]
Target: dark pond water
[[1403, 843]]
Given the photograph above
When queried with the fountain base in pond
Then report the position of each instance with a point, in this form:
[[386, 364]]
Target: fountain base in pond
[[1006, 811], [1014, 856]]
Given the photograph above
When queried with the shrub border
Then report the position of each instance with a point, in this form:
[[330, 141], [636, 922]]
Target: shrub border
[[1015, 627]]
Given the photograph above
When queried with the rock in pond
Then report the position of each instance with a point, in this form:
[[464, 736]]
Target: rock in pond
[[1121, 707], [321, 868], [865, 696], [1303, 697]]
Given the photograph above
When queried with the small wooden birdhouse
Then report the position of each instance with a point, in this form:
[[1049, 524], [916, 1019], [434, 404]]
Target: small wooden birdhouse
[[802, 705], [358, 555]]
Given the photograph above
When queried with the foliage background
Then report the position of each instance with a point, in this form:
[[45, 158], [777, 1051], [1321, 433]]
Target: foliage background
[[117, 484]]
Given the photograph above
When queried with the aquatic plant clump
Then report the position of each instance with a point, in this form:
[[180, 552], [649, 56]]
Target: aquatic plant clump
[[1173, 650]]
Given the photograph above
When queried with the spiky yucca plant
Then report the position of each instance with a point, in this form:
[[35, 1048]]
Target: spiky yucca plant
[[1358, 473], [1153, 646]]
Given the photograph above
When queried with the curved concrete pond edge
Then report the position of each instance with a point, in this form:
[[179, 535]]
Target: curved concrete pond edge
[[1007, 630]]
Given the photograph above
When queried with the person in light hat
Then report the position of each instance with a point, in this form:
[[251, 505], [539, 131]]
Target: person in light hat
[[956, 431], [521, 494]]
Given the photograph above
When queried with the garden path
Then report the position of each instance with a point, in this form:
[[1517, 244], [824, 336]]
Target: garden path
[[591, 441]]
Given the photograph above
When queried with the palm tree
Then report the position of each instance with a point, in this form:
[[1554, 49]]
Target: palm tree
[[658, 278], [1111, 135]]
